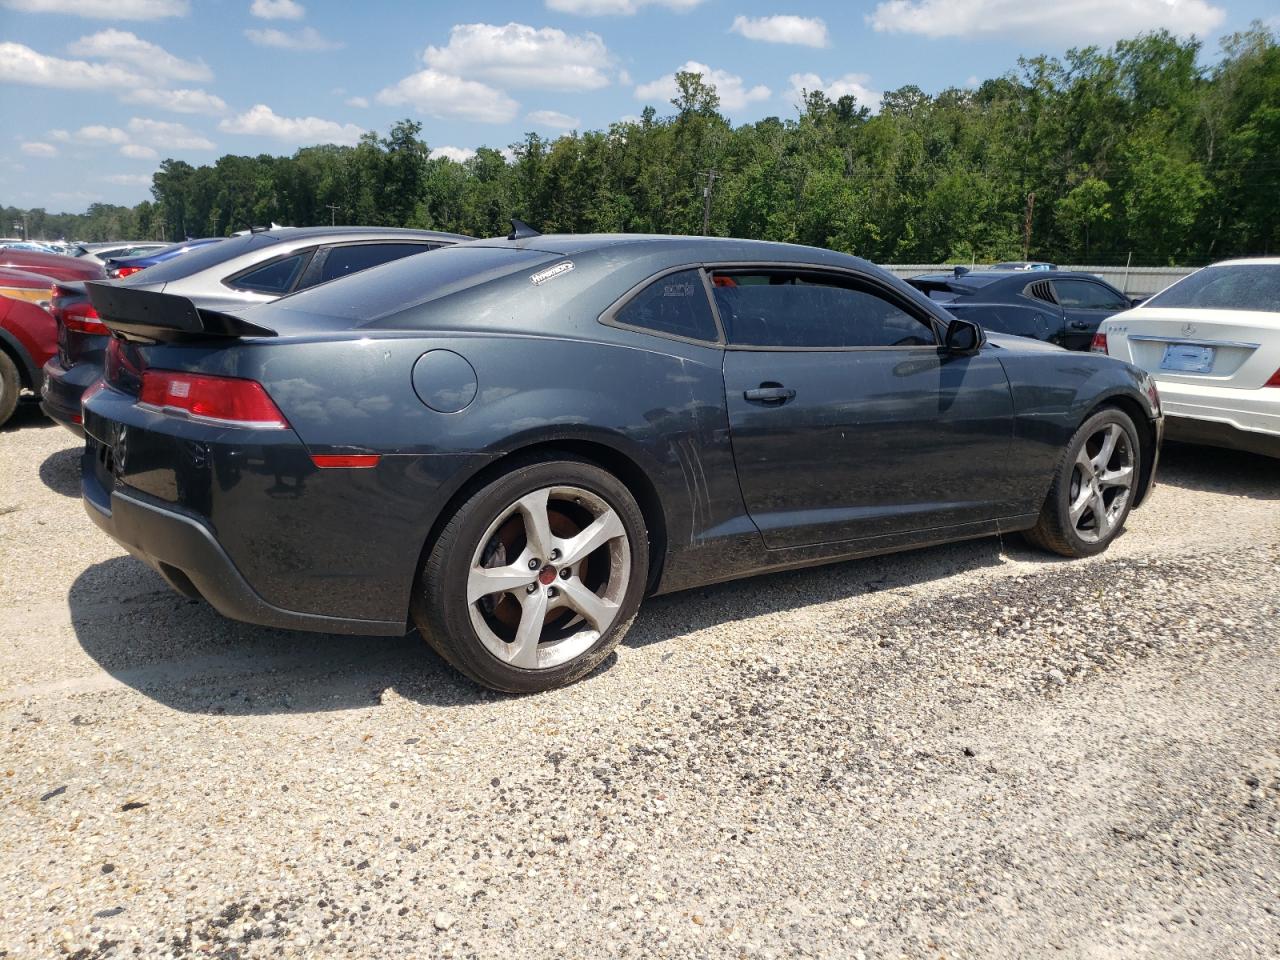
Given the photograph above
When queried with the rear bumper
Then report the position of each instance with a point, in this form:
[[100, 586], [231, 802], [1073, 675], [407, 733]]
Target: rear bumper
[[61, 389], [185, 552], [1246, 411], [1218, 433]]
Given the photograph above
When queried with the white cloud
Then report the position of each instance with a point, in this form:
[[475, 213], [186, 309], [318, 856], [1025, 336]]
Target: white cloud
[[554, 118], [1065, 21], [444, 96], [20, 64], [308, 38], [34, 148], [619, 8], [169, 136], [457, 154], [179, 101], [129, 179], [519, 56], [277, 10], [262, 121], [121, 46], [850, 85], [804, 31], [734, 94], [97, 133], [360, 102], [137, 151], [105, 9]]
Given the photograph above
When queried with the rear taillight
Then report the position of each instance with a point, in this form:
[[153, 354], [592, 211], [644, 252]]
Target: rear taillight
[[1099, 344], [80, 318], [225, 400], [119, 273], [1274, 381]]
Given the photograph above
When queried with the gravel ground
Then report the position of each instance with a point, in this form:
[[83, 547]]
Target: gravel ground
[[971, 751]]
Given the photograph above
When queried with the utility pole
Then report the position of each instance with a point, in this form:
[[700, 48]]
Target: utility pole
[[333, 213], [706, 201], [1026, 227]]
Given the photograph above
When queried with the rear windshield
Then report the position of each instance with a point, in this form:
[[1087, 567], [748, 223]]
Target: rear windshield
[[1254, 286], [200, 258], [381, 292]]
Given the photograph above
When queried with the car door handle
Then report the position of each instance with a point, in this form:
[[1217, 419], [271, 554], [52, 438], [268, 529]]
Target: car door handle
[[1079, 325], [770, 394]]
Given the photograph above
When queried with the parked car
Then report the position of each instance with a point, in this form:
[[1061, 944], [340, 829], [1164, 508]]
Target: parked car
[[1064, 308], [1212, 343], [51, 265], [241, 270], [1024, 265], [510, 442], [27, 335], [102, 252], [120, 267]]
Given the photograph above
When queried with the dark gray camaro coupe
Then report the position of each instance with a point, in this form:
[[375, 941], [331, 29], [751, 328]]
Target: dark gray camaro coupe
[[511, 442]]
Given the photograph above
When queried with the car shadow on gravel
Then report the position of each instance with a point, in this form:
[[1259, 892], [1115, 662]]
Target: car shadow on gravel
[[60, 472], [27, 415], [184, 654], [1219, 471]]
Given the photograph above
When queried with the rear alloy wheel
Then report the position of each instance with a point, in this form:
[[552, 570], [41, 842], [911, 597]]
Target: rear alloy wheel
[[1093, 488], [10, 387], [536, 577]]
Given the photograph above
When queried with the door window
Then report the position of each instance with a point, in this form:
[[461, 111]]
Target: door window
[[1087, 295], [790, 309], [343, 260], [675, 305], [275, 278]]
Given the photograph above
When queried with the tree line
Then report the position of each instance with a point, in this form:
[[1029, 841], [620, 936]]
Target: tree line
[[1137, 150]]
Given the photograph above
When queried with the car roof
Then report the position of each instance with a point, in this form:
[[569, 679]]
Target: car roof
[[696, 248], [983, 277], [290, 233], [1249, 262]]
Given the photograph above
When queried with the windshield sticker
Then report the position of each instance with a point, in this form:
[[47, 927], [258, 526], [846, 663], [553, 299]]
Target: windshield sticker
[[542, 276]]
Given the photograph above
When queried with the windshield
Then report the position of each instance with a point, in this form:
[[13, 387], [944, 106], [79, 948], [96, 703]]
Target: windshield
[[199, 258], [1252, 286]]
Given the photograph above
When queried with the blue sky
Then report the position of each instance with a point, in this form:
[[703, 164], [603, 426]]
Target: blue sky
[[95, 92]]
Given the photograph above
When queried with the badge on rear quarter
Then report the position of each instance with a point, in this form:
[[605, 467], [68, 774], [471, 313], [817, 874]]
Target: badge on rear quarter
[[542, 276]]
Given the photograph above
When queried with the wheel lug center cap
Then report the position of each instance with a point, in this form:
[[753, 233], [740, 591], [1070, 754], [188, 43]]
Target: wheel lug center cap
[[547, 575]]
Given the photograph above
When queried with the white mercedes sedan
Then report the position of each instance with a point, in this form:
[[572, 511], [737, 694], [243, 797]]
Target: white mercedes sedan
[[1211, 342]]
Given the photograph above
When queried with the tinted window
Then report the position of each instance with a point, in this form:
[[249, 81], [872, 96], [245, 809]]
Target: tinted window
[[1254, 286], [276, 277], [200, 257], [675, 304], [779, 310], [341, 261], [1088, 295]]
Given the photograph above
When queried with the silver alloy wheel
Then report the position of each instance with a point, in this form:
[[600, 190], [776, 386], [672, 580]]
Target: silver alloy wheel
[[1101, 482], [568, 589]]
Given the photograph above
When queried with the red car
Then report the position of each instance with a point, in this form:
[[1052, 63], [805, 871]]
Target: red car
[[51, 265], [28, 334]]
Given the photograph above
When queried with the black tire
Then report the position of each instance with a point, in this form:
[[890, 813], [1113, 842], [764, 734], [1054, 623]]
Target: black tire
[[1055, 530], [441, 609], [10, 387]]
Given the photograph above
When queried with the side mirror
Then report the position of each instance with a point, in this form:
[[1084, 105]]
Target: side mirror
[[963, 336]]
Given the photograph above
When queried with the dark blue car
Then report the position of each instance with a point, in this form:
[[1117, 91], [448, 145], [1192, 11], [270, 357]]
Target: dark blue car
[[509, 443], [1057, 306], [117, 269]]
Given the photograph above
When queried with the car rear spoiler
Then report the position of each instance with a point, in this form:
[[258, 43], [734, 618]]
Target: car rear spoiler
[[163, 317]]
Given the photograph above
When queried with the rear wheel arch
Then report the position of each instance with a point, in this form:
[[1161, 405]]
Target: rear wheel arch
[[624, 467], [14, 350]]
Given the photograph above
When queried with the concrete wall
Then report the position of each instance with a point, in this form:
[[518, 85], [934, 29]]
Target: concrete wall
[[1135, 281]]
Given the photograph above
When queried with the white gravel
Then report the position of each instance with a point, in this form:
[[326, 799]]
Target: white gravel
[[972, 751]]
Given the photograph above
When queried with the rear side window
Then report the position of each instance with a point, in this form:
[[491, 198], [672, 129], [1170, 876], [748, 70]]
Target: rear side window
[[675, 305], [352, 258], [277, 277], [777, 309], [1242, 286], [1086, 294]]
